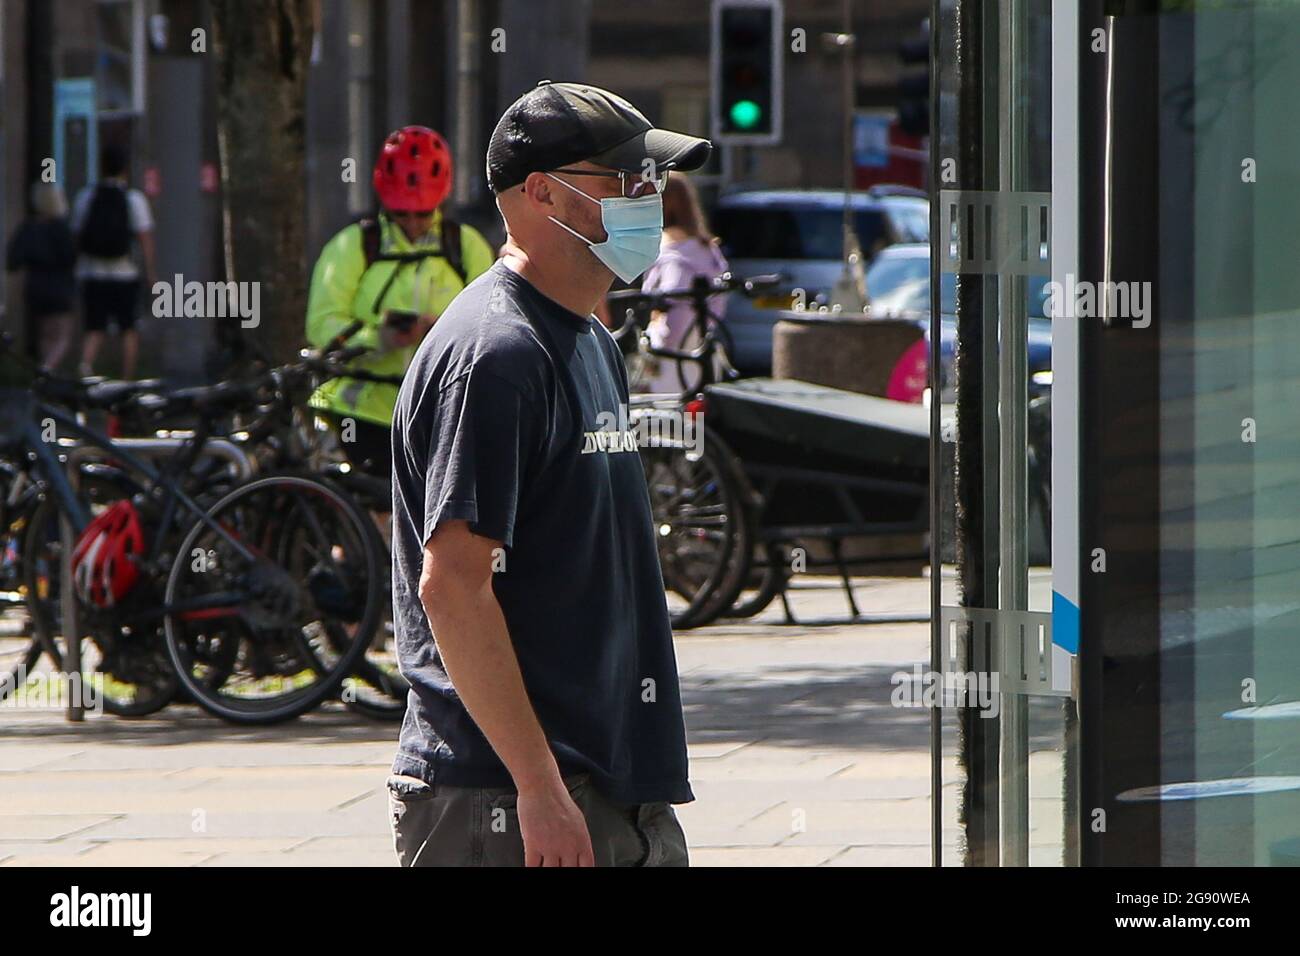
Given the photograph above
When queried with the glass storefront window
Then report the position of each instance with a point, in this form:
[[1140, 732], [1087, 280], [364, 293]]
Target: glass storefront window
[[1230, 458]]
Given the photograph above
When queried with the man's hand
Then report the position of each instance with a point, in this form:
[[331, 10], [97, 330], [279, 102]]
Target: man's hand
[[554, 829]]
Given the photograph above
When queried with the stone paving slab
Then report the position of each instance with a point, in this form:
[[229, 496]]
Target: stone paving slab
[[761, 856], [882, 856], [234, 754], [832, 788], [101, 781], [374, 858], [47, 826], [214, 796], [19, 852], [181, 824]]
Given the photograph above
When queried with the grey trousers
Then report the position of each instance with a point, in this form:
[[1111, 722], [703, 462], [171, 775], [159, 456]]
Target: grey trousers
[[479, 826]]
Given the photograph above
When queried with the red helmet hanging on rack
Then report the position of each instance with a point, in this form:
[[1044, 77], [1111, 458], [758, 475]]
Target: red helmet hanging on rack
[[413, 171], [103, 562]]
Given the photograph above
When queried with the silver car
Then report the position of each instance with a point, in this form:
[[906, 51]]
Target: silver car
[[798, 233]]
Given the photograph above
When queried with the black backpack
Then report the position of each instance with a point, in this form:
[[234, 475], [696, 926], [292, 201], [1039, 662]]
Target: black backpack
[[449, 249], [106, 233]]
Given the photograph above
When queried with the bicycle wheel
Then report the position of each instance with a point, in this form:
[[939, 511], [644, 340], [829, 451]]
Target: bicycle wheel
[[277, 607], [768, 578], [20, 644], [641, 369], [688, 374], [697, 510], [740, 527], [377, 688], [126, 664]]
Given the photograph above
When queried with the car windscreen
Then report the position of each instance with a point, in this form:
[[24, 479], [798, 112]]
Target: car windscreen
[[899, 284], [776, 233]]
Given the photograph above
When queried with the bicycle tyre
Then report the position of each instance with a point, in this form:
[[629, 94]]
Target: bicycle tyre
[[292, 493], [142, 699], [16, 658], [741, 527], [374, 691], [773, 577], [694, 506]]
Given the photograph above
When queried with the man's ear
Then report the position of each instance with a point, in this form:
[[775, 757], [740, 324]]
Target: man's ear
[[537, 187]]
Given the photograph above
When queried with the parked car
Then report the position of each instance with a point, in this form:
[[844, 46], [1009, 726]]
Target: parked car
[[898, 283], [798, 233]]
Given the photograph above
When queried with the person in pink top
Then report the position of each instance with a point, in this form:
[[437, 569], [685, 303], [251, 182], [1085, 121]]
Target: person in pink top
[[689, 249]]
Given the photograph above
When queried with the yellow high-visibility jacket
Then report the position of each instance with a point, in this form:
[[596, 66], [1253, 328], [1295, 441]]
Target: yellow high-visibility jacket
[[344, 289]]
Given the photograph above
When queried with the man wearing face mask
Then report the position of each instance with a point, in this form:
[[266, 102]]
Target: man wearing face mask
[[544, 726]]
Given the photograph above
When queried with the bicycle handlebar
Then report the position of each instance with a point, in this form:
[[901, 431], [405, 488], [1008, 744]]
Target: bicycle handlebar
[[700, 291], [339, 341], [332, 358], [701, 287]]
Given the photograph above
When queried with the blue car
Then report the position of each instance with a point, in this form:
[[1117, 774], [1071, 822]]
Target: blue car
[[898, 284]]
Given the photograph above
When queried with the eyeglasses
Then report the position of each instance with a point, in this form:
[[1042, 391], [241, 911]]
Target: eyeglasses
[[404, 214], [634, 185]]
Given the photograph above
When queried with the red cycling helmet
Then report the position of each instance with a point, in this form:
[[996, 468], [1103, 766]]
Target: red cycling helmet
[[413, 171], [103, 565]]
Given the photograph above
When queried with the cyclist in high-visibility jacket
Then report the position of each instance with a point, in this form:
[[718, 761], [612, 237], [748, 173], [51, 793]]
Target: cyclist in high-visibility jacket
[[395, 272]]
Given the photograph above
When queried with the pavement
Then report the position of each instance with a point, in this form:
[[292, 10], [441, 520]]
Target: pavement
[[798, 758]]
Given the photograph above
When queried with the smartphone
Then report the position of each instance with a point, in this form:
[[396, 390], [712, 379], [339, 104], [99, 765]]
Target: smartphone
[[400, 319]]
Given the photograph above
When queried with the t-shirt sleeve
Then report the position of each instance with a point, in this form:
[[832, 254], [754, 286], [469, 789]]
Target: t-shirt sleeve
[[480, 441], [80, 207], [141, 217]]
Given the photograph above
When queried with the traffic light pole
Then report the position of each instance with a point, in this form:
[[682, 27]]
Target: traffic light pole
[[850, 293]]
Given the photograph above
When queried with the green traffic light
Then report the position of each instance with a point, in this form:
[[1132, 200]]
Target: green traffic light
[[745, 114]]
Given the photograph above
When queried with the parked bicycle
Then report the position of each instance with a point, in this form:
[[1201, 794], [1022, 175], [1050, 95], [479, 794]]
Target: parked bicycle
[[776, 466], [262, 602], [697, 495], [279, 433]]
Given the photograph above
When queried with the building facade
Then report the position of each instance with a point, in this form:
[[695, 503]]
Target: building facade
[[80, 73]]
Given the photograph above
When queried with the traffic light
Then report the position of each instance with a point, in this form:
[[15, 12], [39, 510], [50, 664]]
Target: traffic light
[[746, 72], [914, 83]]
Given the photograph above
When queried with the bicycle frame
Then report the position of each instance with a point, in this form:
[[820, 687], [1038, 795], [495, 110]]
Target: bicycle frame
[[70, 505]]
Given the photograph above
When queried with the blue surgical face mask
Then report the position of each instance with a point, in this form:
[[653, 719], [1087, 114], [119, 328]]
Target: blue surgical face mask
[[633, 228]]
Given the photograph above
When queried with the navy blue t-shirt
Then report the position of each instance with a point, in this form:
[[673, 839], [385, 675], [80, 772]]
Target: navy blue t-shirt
[[504, 420]]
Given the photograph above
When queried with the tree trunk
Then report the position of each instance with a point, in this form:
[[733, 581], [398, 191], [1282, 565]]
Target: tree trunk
[[262, 49]]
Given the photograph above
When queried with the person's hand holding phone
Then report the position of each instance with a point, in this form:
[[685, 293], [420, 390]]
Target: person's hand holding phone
[[403, 328]]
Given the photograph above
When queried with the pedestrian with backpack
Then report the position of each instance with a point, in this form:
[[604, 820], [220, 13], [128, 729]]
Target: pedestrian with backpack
[[42, 246], [109, 218], [395, 272]]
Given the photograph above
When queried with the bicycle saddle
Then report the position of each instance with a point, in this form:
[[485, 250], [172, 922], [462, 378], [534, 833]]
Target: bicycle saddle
[[111, 392], [201, 398]]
